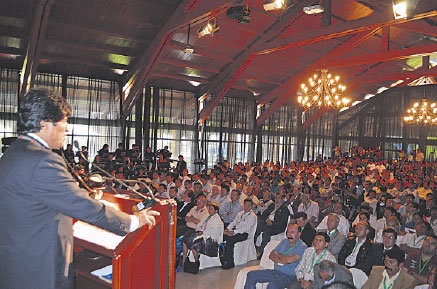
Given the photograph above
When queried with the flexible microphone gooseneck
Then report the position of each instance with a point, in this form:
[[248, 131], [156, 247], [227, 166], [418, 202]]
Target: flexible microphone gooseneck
[[148, 201], [75, 173]]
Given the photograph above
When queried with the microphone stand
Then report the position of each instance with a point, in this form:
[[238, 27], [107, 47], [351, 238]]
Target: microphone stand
[[148, 201], [75, 173]]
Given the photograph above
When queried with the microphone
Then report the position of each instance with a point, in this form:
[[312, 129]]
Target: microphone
[[148, 201]]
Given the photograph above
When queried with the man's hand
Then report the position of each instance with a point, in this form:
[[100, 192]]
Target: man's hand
[[146, 217], [269, 222], [305, 284]]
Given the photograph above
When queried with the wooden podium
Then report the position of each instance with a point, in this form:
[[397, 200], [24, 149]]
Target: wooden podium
[[143, 259]]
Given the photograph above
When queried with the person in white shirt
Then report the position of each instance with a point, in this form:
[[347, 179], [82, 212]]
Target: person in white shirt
[[214, 195], [196, 214], [249, 195], [309, 207], [343, 226], [382, 223], [310, 258], [413, 242], [237, 231]]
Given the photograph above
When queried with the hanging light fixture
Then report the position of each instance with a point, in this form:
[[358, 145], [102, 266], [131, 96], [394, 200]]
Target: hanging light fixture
[[209, 29], [325, 90], [423, 113]]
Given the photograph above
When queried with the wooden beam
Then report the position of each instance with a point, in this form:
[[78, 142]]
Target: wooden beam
[[291, 86], [140, 73], [36, 39], [338, 30], [420, 27], [401, 75], [51, 58], [227, 78], [397, 54]]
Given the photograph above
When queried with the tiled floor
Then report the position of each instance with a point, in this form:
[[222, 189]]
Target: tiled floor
[[210, 278]]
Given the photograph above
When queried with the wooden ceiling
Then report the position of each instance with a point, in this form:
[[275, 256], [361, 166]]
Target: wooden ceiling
[[136, 42]]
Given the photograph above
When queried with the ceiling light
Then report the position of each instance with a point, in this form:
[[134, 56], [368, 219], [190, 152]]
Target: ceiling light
[[404, 8], [209, 29], [240, 13], [422, 113], [324, 91], [314, 9], [194, 83], [276, 4], [188, 48]]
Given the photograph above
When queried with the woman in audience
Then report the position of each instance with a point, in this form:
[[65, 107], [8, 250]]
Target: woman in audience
[[207, 237]]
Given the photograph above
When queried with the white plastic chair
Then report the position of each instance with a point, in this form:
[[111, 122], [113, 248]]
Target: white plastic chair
[[206, 261], [265, 263], [359, 277], [245, 251]]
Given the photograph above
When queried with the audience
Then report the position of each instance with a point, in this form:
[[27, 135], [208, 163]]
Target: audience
[[373, 210]]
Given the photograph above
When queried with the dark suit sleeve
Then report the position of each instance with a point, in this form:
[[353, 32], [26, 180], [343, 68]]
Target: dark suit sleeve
[[56, 189], [344, 252], [280, 222], [267, 211]]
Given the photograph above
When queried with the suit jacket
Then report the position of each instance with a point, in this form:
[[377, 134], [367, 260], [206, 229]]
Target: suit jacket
[[280, 220], [341, 274], [376, 257], [307, 235], [336, 242], [182, 212], [404, 280], [347, 249], [38, 199]]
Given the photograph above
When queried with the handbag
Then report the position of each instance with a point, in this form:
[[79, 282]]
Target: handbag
[[191, 267], [211, 248]]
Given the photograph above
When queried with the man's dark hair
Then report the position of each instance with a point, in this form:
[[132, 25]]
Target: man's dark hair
[[40, 105], [324, 235], [390, 231], [249, 201], [302, 215], [396, 253], [226, 188]]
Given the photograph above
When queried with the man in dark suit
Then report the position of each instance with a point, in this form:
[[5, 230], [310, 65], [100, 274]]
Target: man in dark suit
[[327, 272], [39, 198], [376, 254], [354, 252]]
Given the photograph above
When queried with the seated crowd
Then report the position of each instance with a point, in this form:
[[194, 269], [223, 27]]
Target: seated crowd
[[332, 217]]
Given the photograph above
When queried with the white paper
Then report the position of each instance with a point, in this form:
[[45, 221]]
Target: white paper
[[96, 235], [104, 273]]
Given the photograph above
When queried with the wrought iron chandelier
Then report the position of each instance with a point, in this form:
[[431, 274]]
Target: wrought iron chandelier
[[423, 113], [324, 91]]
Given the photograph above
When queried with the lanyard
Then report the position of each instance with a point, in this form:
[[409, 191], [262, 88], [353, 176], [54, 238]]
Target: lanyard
[[424, 265], [416, 239], [318, 259], [355, 248], [205, 222], [292, 247], [391, 285]]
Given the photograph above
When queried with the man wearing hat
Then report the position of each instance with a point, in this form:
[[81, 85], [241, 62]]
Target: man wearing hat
[[237, 231]]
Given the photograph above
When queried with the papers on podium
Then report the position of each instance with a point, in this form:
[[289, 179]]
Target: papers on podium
[[96, 235], [104, 273]]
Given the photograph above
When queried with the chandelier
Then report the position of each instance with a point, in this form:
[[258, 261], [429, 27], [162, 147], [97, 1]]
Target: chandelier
[[324, 90], [423, 113]]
